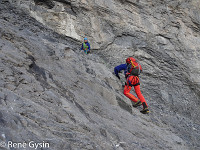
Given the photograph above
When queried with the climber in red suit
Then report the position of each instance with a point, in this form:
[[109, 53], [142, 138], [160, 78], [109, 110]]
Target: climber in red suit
[[133, 80]]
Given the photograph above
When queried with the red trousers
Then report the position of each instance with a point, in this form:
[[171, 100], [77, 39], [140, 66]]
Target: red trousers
[[127, 93]]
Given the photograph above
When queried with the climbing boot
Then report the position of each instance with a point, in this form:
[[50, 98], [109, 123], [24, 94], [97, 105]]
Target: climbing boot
[[138, 103], [145, 109]]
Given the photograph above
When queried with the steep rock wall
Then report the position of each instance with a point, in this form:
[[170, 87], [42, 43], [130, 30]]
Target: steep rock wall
[[44, 74]]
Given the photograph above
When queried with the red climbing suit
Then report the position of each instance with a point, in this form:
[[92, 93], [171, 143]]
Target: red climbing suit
[[134, 81]]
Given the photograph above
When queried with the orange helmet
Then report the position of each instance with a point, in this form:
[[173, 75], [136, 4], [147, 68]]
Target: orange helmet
[[128, 60]]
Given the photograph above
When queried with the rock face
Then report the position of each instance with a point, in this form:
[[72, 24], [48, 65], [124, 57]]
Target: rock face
[[51, 92]]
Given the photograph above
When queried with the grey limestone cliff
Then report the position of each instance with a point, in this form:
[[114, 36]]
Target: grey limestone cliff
[[50, 91]]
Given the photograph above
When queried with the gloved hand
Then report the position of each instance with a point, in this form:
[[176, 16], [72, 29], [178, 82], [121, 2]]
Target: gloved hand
[[125, 84], [118, 77]]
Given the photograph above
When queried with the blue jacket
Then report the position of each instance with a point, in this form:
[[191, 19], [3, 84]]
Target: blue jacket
[[88, 44], [119, 68]]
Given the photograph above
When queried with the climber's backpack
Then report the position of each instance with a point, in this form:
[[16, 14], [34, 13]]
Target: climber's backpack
[[85, 46], [134, 68]]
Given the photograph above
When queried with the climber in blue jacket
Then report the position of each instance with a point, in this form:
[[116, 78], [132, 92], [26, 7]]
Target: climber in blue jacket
[[119, 68], [86, 46]]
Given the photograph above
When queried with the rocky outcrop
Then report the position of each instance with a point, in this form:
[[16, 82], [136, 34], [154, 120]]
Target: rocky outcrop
[[50, 91]]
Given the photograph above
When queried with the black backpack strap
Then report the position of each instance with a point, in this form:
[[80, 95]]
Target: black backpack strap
[[137, 84]]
